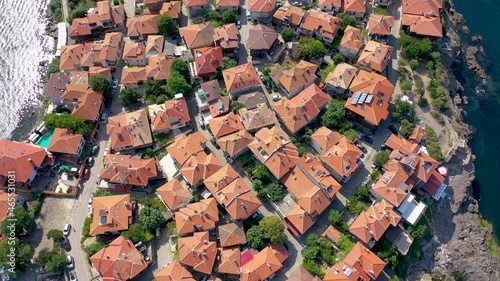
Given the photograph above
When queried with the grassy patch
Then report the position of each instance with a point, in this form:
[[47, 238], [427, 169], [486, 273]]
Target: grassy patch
[[493, 247], [288, 63], [483, 223], [324, 73], [86, 228], [380, 11]]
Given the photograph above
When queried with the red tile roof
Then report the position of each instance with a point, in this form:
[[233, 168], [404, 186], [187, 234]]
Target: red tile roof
[[380, 24], [79, 27], [326, 138], [264, 264], [229, 260], [198, 35], [198, 252], [134, 51], [422, 25], [394, 184], [261, 38], [342, 157], [65, 141], [375, 56], [367, 263], [71, 56], [296, 77], [325, 24], [354, 6], [241, 77], [301, 274], [142, 26], [203, 215], [20, 159], [231, 234], [171, 113], [158, 67], [236, 142], [422, 7], [352, 39], [208, 60], [174, 271], [186, 145], [261, 6], [127, 169], [173, 194], [239, 201], [289, 14], [199, 167], [173, 9], [227, 3], [111, 213], [333, 234], [299, 220], [227, 36], [342, 76], [154, 44], [258, 117], [129, 130], [194, 3], [225, 125]]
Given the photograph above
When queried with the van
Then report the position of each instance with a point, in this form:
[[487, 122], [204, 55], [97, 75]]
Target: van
[[249, 17]]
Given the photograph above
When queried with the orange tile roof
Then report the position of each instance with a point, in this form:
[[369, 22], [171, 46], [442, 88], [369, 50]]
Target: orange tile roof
[[79, 27], [142, 26], [331, 3], [173, 194], [102, 71], [422, 7], [394, 184], [318, 174], [127, 169], [326, 24], [374, 222], [241, 77], [173, 9], [194, 3], [171, 113], [273, 148], [104, 11], [91, 54], [6, 199], [301, 109], [342, 272], [225, 125], [111, 46], [367, 263], [199, 167], [422, 25], [220, 106], [134, 51], [301, 274], [239, 200], [174, 271], [298, 76], [227, 36], [229, 260], [221, 178], [227, 3], [119, 261], [402, 145], [154, 44], [88, 105], [342, 76], [258, 117], [261, 6], [375, 56], [111, 213], [158, 67], [417, 135], [197, 216], [380, 89], [65, 141], [342, 157], [133, 75], [231, 234], [118, 14], [300, 220], [129, 130], [354, 6], [186, 145], [352, 39], [207, 60], [333, 234], [289, 14], [422, 164], [234, 143], [261, 38], [198, 252], [70, 58], [326, 138], [74, 91], [20, 158], [264, 264], [198, 35], [314, 201], [380, 24]]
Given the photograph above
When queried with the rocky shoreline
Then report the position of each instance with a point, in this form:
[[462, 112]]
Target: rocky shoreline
[[459, 244]]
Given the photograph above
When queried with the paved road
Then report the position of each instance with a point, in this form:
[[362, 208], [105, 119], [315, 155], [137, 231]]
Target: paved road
[[65, 9]]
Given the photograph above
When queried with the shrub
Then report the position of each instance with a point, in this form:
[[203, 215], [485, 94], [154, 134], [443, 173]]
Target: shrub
[[311, 48], [255, 237], [313, 269], [94, 248], [346, 21], [338, 58], [237, 106], [406, 128], [287, 35], [129, 96], [67, 121], [273, 229], [413, 64], [86, 227], [345, 243], [405, 85], [55, 234], [53, 66], [102, 192], [151, 217], [262, 173], [380, 158], [375, 174], [433, 145], [171, 228]]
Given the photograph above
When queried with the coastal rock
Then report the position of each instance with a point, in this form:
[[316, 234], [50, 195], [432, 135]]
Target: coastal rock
[[476, 39], [473, 63]]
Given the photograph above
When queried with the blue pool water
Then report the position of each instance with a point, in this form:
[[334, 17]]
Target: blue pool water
[[44, 141]]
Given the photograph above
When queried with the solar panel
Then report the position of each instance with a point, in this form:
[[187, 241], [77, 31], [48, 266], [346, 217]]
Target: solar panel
[[362, 98], [369, 99], [356, 98]]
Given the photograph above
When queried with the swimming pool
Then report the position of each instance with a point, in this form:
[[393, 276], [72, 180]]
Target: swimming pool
[[44, 141]]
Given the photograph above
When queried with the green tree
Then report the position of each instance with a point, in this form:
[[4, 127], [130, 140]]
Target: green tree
[[255, 237], [154, 90], [415, 48], [57, 263], [181, 67], [258, 186], [212, 15], [334, 117], [135, 233], [351, 135], [311, 48], [22, 222], [101, 84], [287, 35], [129, 96], [53, 66], [275, 192], [78, 12], [346, 21], [22, 252], [150, 217], [405, 85], [166, 25], [94, 248], [338, 58], [101, 193], [237, 106], [55, 234], [228, 62], [273, 229], [413, 64], [406, 128], [380, 159], [262, 173], [229, 16], [345, 243], [334, 217], [177, 84], [68, 121]]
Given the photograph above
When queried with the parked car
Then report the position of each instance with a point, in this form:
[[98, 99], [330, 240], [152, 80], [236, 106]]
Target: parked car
[[249, 17], [105, 152], [276, 97], [67, 229], [72, 276], [238, 25], [360, 146], [115, 83], [367, 139], [393, 129], [86, 174], [97, 180], [214, 142], [202, 123], [104, 118], [90, 201], [90, 162], [95, 149], [230, 159], [70, 262]]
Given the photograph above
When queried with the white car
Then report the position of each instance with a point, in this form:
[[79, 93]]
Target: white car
[[72, 276], [105, 152], [90, 202], [276, 97], [67, 229], [70, 262]]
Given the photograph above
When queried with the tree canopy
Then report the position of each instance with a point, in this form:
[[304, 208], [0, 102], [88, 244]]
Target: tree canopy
[[415, 48], [129, 96], [155, 92], [406, 128], [287, 34], [23, 221], [229, 16], [346, 21], [272, 228], [135, 233], [228, 62], [380, 159], [177, 84], [151, 217], [55, 234], [334, 117], [67, 121], [262, 173], [311, 48], [166, 25], [22, 253], [102, 192], [53, 260], [255, 237], [101, 84], [181, 67]]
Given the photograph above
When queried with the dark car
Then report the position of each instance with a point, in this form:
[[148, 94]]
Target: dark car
[[95, 149], [367, 139], [90, 162], [393, 129], [86, 174], [360, 146]]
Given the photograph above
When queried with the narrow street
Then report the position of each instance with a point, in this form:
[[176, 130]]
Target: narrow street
[[65, 9]]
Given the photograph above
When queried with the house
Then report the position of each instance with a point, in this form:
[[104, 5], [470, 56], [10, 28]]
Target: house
[[298, 78], [262, 10], [330, 6], [371, 224], [333, 234], [158, 67], [129, 131], [56, 87], [231, 234], [221, 179], [153, 5], [71, 56], [273, 148], [154, 45], [423, 25], [65, 142], [133, 76], [197, 7], [171, 115], [338, 81], [359, 264], [211, 91], [289, 16], [139, 28], [351, 43], [230, 261], [207, 61], [236, 143], [134, 54], [252, 100], [227, 37], [323, 139], [422, 7], [173, 271], [197, 35], [22, 159], [264, 264], [83, 102], [301, 274], [198, 216], [198, 252], [79, 29], [257, 118], [101, 71], [342, 159], [356, 8], [369, 101], [173, 9], [102, 18], [380, 25], [198, 167], [127, 170], [185, 146], [261, 39], [220, 107], [298, 221], [223, 5], [375, 57], [417, 135], [120, 260], [322, 25], [112, 214], [173, 195], [240, 79], [111, 49], [225, 125], [302, 109]]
